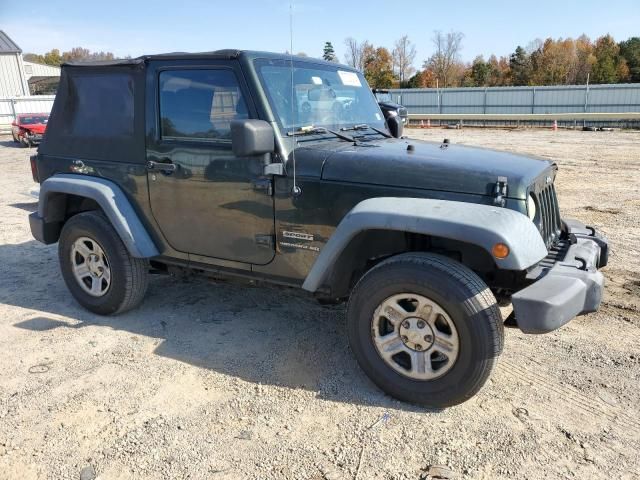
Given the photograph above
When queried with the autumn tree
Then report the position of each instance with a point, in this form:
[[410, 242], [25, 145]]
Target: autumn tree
[[422, 79], [52, 58], [585, 59], [404, 54], [553, 62], [378, 67], [354, 57], [445, 62]]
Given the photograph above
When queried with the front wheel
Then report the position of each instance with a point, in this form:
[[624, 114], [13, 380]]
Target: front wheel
[[97, 268], [425, 329]]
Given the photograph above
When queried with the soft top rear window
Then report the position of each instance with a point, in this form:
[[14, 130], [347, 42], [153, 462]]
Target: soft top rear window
[[96, 113]]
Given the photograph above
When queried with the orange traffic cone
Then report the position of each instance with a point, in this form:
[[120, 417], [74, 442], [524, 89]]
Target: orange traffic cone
[[555, 125]]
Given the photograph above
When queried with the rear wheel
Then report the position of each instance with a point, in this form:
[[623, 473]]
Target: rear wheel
[[425, 329], [97, 268]]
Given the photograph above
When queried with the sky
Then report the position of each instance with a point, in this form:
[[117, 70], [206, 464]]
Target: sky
[[138, 27]]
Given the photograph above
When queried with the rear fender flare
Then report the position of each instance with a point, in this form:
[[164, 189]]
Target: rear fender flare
[[112, 201], [481, 225]]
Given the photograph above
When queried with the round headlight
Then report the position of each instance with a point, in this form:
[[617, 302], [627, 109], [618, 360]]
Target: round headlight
[[531, 207]]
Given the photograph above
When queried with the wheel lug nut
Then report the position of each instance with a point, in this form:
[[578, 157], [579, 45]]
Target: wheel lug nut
[[428, 338], [420, 324], [404, 338], [406, 324], [418, 347]]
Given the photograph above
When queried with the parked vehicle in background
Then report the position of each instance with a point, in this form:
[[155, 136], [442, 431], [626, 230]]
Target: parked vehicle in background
[[28, 128], [389, 107], [206, 162]]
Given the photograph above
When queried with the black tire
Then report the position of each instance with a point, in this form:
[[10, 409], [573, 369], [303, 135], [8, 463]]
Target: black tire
[[129, 275], [467, 300]]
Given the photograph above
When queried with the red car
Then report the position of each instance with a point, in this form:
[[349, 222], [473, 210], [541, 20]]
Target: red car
[[28, 128]]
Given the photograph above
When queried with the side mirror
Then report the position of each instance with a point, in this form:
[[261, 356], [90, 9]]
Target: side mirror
[[395, 126], [251, 138]]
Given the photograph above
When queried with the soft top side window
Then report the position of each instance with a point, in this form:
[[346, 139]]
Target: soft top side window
[[199, 104]]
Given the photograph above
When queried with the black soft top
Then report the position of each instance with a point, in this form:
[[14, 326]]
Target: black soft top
[[226, 54], [99, 110], [217, 54]]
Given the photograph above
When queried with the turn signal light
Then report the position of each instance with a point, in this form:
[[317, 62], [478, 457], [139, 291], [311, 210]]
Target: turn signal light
[[500, 250]]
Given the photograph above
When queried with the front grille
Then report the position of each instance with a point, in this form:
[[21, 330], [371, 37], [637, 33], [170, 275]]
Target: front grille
[[549, 224]]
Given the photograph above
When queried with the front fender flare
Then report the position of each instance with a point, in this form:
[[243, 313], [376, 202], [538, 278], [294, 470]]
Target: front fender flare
[[113, 202], [481, 225]]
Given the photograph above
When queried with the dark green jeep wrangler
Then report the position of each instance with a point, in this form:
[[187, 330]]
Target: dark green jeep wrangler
[[267, 167]]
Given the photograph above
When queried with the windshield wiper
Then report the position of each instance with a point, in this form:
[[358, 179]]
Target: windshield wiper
[[359, 126], [364, 126], [311, 130]]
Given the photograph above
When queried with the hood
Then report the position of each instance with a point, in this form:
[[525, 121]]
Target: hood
[[35, 127], [431, 166]]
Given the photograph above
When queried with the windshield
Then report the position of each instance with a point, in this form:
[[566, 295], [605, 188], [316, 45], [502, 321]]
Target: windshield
[[33, 119], [324, 95]]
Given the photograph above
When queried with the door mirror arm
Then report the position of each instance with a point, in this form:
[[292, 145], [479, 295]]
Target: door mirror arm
[[274, 169]]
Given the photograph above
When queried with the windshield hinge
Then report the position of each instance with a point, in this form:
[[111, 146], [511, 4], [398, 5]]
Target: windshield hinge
[[500, 192]]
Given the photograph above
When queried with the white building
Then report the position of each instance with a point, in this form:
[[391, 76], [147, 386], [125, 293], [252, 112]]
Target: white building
[[42, 79], [19, 78]]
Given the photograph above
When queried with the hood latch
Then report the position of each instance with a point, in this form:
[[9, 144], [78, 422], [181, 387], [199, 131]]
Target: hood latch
[[500, 192]]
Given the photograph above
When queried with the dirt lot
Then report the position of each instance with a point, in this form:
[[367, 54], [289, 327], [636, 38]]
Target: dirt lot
[[226, 382]]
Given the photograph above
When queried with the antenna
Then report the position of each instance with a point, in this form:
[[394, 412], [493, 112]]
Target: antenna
[[296, 189]]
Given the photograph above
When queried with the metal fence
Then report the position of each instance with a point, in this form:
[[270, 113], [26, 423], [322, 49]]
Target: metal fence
[[494, 102], [541, 103], [10, 107], [557, 99]]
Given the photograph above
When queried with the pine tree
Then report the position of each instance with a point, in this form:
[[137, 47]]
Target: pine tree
[[329, 53]]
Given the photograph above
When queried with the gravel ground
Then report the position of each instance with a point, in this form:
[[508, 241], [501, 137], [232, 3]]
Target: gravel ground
[[214, 380]]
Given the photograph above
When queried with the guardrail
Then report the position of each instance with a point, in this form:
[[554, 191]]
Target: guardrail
[[626, 118]]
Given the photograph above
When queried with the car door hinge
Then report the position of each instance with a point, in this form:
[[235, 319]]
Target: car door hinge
[[264, 185], [500, 192], [265, 240]]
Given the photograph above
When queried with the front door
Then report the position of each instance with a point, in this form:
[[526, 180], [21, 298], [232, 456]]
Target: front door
[[207, 202]]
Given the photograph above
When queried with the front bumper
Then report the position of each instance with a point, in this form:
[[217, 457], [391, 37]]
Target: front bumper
[[35, 138], [565, 284]]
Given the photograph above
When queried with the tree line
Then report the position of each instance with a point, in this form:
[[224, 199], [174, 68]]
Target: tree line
[[77, 54], [563, 61]]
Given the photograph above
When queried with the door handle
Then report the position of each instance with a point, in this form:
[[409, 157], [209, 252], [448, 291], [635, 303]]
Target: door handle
[[164, 167]]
